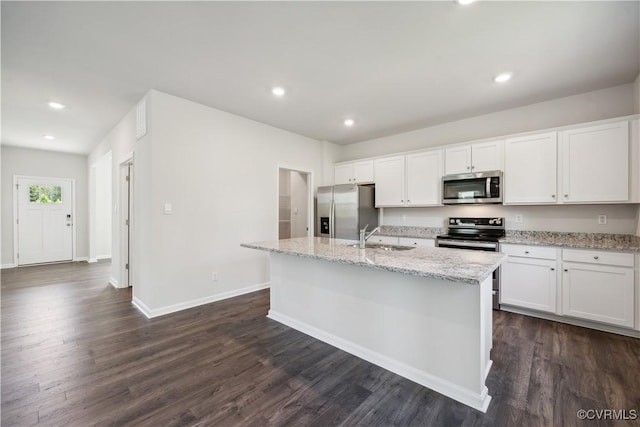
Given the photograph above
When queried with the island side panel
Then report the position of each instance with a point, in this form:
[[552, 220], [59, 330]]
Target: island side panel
[[430, 331]]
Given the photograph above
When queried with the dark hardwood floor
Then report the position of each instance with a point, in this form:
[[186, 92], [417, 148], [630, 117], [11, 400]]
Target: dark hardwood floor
[[75, 352]]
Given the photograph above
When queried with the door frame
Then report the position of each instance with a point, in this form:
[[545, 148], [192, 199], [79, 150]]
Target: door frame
[[122, 271], [310, 197], [15, 213]]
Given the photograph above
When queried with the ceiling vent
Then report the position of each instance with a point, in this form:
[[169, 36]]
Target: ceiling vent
[[141, 119]]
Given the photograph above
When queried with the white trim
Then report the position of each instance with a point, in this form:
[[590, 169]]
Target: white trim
[[3, 266], [476, 401], [151, 313], [571, 321], [113, 282], [78, 259], [92, 260], [98, 257], [74, 242]]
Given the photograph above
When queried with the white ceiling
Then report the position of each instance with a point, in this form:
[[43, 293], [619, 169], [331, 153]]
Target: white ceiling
[[392, 66]]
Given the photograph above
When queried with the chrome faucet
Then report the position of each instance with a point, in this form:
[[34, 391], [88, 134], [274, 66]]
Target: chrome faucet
[[364, 236]]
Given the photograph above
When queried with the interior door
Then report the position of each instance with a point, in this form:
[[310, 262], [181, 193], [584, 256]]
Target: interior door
[[44, 222]]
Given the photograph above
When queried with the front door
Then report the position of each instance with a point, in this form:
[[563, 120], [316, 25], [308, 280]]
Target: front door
[[44, 222]]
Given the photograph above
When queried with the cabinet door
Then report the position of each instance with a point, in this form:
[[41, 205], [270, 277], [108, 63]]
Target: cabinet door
[[363, 172], [530, 173], [457, 160], [343, 174], [424, 178], [389, 176], [600, 293], [487, 156], [529, 283], [595, 163]]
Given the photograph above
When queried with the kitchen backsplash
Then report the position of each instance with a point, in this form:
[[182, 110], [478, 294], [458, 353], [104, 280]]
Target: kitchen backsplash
[[621, 219]]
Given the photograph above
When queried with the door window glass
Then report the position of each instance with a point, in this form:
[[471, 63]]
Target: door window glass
[[45, 194]]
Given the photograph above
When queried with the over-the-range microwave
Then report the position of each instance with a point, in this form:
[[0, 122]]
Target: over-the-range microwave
[[470, 188]]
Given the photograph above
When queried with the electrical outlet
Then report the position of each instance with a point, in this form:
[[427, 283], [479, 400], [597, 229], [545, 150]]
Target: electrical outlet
[[518, 219], [214, 276], [602, 219]]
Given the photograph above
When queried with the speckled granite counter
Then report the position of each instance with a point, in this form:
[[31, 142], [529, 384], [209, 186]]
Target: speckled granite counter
[[617, 242], [438, 263], [406, 231]]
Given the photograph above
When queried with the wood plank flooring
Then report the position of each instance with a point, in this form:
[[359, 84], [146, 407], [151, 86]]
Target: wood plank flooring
[[75, 352]]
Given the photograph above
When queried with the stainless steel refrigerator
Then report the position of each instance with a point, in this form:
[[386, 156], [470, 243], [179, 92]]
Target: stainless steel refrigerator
[[342, 210]]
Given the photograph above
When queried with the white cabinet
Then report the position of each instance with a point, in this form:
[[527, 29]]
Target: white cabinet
[[384, 240], [479, 157], [424, 178], [595, 163], [410, 241], [412, 180], [593, 291], [529, 277], [530, 173], [354, 172], [390, 180]]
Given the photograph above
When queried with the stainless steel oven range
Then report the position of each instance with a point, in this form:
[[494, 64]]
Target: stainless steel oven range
[[478, 234]]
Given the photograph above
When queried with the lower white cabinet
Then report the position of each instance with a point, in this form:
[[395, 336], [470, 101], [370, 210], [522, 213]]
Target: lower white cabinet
[[410, 241], [602, 293], [385, 240], [529, 282]]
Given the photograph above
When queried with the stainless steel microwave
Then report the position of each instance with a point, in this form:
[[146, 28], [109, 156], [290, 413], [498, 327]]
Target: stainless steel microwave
[[472, 188]]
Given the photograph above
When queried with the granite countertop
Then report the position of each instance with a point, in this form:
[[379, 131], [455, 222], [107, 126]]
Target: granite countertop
[[617, 242], [471, 267]]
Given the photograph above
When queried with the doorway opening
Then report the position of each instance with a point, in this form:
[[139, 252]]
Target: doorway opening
[[100, 208], [44, 220], [295, 206]]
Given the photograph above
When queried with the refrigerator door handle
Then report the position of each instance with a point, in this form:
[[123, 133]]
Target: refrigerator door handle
[[332, 232]]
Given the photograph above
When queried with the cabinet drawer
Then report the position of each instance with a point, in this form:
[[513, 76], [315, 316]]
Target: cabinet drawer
[[598, 257], [542, 252], [385, 240], [409, 241]]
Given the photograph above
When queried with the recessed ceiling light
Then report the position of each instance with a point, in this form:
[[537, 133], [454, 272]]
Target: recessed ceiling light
[[49, 137], [56, 105], [349, 122], [278, 91], [464, 2], [503, 77]]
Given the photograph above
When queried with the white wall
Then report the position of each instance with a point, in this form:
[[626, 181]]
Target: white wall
[[567, 218], [120, 141], [103, 204], [602, 104], [219, 171], [22, 161], [636, 99]]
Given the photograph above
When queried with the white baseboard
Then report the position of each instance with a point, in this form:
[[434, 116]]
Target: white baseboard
[[479, 401], [114, 282], [103, 256], [81, 258], [151, 313], [3, 266], [92, 260]]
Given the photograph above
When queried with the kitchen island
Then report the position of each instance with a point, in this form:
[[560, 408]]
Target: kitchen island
[[423, 313]]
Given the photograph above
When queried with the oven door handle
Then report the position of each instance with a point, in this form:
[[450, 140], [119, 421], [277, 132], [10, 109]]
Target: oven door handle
[[467, 244], [488, 189]]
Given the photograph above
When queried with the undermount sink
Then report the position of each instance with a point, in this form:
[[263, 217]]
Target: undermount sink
[[384, 247]]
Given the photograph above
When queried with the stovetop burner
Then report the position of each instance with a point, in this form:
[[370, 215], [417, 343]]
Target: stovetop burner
[[475, 229]]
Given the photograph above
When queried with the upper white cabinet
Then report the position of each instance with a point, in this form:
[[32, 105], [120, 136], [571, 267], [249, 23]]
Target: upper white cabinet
[[412, 180], [354, 172], [390, 180], [480, 157], [424, 178], [595, 163], [530, 173]]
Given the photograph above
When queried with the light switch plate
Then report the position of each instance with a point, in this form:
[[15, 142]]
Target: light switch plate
[[602, 219], [168, 208]]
